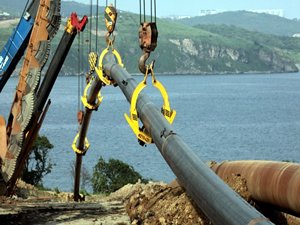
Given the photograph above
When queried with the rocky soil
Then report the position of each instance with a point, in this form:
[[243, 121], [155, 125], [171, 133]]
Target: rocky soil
[[33, 206], [148, 204]]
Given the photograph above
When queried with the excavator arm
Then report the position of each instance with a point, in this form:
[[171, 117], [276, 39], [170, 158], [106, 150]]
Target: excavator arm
[[45, 26], [40, 106]]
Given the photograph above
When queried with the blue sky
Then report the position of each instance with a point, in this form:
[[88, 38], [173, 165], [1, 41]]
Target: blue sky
[[192, 7]]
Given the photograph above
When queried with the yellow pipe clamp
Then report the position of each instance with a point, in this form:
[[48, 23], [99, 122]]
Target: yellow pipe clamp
[[99, 70], [85, 101], [168, 113], [79, 151]]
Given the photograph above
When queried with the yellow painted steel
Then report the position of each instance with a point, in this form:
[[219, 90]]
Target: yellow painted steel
[[69, 27], [168, 113], [133, 119], [110, 18], [93, 57], [99, 69], [79, 151], [85, 101]]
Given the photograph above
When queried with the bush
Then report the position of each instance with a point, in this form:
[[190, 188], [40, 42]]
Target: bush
[[38, 164], [112, 175]]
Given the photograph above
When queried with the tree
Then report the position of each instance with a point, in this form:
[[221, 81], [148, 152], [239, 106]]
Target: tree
[[38, 164], [112, 175]]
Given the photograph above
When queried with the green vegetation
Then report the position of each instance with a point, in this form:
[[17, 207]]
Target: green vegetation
[[286, 46], [112, 175], [260, 22], [38, 164], [254, 48], [56, 190], [183, 49]]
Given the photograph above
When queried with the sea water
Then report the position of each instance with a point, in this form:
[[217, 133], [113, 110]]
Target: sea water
[[221, 117]]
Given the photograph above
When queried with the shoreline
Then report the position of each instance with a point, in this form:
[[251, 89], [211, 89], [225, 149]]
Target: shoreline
[[202, 74]]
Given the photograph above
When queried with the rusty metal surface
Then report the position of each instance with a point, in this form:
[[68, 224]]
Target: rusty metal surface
[[21, 113], [276, 183], [3, 141], [257, 221]]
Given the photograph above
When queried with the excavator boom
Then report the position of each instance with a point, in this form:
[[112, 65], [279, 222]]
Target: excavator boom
[[20, 142], [44, 28]]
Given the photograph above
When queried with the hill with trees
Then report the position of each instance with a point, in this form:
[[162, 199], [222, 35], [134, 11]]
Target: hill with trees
[[260, 22], [184, 49]]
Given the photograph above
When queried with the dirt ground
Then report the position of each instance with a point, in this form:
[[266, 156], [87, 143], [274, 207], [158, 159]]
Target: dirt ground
[[147, 204], [31, 206]]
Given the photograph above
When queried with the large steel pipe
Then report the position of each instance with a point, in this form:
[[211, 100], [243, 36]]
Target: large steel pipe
[[91, 99], [276, 183], [219, 202]]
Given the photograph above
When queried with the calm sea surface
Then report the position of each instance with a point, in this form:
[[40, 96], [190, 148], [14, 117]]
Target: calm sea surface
[[221, 117]]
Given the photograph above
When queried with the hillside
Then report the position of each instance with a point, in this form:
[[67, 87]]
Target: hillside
[[15, 7], [184, 49], [260, 22]]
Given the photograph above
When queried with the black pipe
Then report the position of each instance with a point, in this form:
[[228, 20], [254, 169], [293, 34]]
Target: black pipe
[[54, 68], [91, 99], [51, 76], [77, 177], [217, 200]]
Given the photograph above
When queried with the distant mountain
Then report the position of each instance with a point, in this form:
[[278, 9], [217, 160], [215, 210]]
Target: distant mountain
[[16, 7], [260, 22], [13, 7], [183, 49], [81, 9]]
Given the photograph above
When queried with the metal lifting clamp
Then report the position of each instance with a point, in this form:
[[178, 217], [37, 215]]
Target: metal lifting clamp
[[110, 21], [85, 101], [99, 70], [169, 114], [80, 151]]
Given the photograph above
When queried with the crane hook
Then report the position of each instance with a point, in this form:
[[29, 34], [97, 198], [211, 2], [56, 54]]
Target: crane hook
[[148, 35], [110, 15]]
